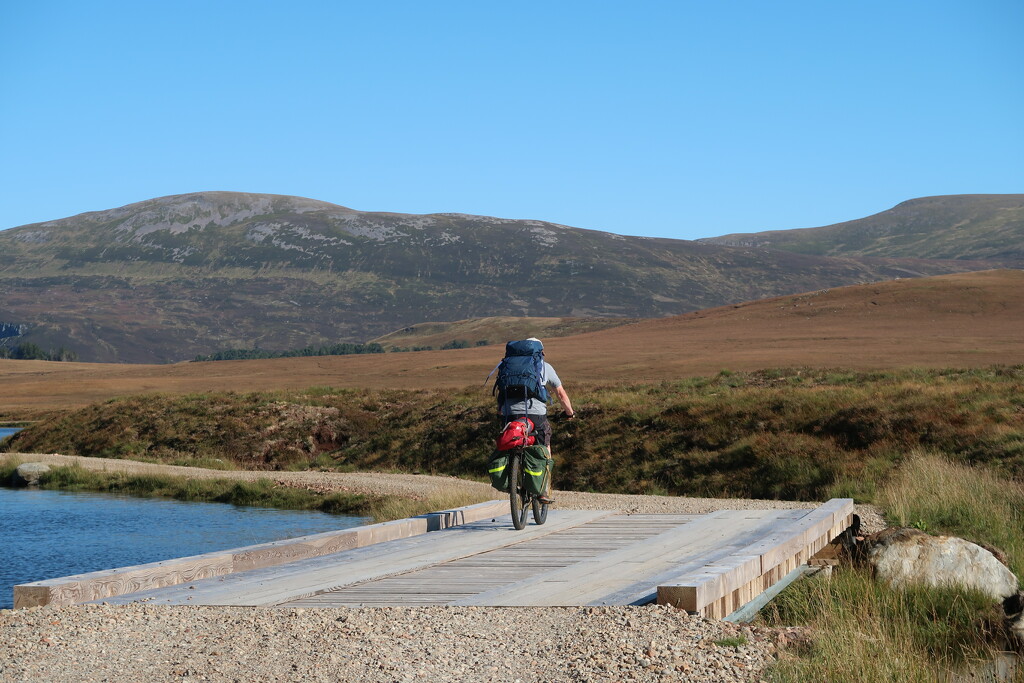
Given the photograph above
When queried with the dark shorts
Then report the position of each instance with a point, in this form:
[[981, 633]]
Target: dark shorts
[[541, 428]]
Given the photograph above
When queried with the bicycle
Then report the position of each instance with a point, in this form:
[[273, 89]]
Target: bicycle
[[520, 498]]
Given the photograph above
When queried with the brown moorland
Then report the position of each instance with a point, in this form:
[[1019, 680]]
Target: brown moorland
[[963, 320], [492, 330]]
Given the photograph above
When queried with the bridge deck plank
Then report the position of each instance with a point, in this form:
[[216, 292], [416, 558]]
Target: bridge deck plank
[[294, 580], [577, 558], [587, 561]]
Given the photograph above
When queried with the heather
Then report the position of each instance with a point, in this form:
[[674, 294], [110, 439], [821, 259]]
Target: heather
[[788, 433]]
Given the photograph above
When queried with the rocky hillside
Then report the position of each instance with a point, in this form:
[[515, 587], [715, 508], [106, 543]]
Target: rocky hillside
[[167, 279], [968, 227]]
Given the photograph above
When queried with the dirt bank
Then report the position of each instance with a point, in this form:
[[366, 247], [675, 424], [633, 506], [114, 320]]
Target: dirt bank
[[424, 486]]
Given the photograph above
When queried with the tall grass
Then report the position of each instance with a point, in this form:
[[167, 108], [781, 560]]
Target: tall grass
[[865, 630], [8, 465], [940, 496]]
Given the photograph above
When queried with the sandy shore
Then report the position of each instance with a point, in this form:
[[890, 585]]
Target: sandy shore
[[144, 642]]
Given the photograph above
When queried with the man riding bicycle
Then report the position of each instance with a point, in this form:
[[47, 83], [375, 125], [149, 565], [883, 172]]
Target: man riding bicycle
[[517, 406]]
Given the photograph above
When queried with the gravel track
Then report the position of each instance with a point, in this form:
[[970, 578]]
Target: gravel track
[[147, 643], [392, 644]]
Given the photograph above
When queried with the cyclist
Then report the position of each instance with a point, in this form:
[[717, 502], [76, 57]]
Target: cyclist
[[537, 410]]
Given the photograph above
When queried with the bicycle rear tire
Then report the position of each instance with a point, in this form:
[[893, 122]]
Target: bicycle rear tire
[[518, 500]]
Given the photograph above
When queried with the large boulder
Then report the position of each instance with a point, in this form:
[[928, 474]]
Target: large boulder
[[27, 474], [903, 556]]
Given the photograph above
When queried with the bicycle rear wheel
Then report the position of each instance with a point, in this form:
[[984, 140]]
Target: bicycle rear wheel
[[518, 500]]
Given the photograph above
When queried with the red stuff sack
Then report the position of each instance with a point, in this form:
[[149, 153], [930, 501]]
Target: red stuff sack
[[515, 434]]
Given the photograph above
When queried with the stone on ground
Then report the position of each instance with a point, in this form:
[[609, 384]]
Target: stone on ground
[[27, 474], [904, 556]]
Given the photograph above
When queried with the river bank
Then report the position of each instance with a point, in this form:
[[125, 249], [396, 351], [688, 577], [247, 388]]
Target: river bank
[[432, 487]]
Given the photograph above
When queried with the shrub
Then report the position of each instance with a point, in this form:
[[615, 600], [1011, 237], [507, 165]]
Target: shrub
[[754, 434]]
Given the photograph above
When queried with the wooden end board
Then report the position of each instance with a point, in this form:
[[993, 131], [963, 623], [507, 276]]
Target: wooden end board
[[711, 590], [70, 590]]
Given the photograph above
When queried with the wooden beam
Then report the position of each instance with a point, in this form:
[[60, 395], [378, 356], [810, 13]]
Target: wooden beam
[[718, 588]]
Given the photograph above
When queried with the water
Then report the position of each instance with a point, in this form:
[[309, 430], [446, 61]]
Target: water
[[49, 534], [6, 432]]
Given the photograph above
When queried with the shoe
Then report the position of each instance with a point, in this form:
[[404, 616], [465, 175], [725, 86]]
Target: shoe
[[545, 500]]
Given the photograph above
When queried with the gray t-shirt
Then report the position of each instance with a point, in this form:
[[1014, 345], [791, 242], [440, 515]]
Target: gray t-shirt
[[533, 406]]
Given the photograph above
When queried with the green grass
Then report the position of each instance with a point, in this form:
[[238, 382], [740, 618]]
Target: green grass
[[864, 630], [7, 467], [732, 641], [259, 493], [943, 497]]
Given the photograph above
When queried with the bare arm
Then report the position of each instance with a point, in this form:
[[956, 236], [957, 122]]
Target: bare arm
[[563, 398]]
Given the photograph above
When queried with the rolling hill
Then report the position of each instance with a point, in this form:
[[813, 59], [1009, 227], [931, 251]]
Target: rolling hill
[[171, 278], [960, 321], [968, 227]]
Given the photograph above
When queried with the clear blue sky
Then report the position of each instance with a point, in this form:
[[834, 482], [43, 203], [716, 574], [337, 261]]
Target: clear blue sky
[[680, 119]]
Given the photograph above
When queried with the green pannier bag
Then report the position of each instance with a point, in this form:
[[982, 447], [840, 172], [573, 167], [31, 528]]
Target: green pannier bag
[[537, 466], [498, 470]]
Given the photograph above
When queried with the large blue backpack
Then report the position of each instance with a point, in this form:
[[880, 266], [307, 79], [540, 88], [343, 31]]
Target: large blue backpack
[[521, 372]]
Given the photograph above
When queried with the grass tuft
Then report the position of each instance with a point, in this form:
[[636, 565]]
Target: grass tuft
[[732, 641], [865, 630]]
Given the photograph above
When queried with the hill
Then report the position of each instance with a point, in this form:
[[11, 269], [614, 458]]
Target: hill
[[171, 278], [495, 330], [967, 227], [964, 320]]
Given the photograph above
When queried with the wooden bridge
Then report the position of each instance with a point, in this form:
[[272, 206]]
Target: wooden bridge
[[710, 564]]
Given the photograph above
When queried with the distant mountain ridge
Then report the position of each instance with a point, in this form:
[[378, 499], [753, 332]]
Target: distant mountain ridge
[[967, 227], [171, 278]]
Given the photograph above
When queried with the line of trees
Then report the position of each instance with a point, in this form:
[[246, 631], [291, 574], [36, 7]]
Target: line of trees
[[344, 349], [30, 351], [453, 344]]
